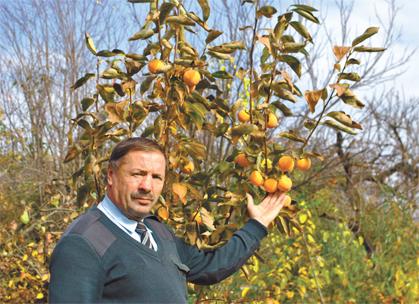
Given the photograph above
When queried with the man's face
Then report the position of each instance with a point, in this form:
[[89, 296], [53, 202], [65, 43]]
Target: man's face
[[137, 182]]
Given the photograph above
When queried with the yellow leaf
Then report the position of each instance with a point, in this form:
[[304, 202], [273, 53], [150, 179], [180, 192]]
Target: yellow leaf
[[310, 239], [245, 291], [180, 190], [302, 218], [289, 294], [25, 257], [163, 213], [40, 296]]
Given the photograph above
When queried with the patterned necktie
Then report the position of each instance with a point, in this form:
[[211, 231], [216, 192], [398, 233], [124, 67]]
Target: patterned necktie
[[144, 235]]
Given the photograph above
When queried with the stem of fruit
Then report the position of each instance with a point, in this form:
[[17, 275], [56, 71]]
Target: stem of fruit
[[268, 98], [252, 48]]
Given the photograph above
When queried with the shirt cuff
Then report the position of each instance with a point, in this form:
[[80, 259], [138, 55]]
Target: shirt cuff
[[255, 228]]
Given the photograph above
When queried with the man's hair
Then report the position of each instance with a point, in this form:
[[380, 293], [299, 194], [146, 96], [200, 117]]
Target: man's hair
[[133, 144]]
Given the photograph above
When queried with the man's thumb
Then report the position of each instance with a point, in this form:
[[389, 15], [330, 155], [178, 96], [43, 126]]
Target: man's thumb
[[249, 199]]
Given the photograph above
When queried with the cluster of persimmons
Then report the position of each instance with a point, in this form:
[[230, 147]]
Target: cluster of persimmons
[[286, 164]]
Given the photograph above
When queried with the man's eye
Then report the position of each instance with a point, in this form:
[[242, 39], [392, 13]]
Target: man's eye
[[158, 177]]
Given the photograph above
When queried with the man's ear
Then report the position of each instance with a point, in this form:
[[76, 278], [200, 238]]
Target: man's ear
[[109, 175]]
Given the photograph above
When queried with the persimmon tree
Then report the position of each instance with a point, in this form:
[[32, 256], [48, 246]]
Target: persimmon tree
[[175, 93]]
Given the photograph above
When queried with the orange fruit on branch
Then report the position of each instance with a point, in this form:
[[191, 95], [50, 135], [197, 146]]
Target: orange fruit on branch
[[191, 78], [243, 116], [272, 121], [304, 164], [256, 178], [270, 185], [286, 163], [284, 183], [242, 160], [155, 66]]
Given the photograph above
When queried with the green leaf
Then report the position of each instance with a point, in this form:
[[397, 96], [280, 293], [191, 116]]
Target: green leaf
[[350, 76], [90, 44], [302, 30], [353, 61], [344, 119], [222, 75], [107, 53], [292, 136], [110, 73], [242, 129], [148, 131], [86, 103], [338, 126], [205, 9], [219, 55], [165, 9], [367, 34], [137, 57], [145, 85], [196, 150], [283, 108], [293, 47], [293, 63], [212, 35], [143, 34], [221, 129], [282, 93], [72, 153], [81, 81], [107, 92], [305, 7], [352, 101], [366, 49], [309, 124], [181, 20], [307, 15], [267, 11]]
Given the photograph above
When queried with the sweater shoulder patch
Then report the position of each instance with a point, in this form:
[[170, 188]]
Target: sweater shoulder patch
[[90, 228]]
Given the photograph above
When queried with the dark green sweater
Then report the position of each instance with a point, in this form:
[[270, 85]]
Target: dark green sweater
[[96, 262]]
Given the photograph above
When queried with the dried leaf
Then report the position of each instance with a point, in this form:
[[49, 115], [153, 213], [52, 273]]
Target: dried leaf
[[340, 52], [180, 190], [207, 219], [212, 35], [205, 9], [312, 97]]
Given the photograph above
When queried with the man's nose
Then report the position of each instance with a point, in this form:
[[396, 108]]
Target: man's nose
[[145, 183]]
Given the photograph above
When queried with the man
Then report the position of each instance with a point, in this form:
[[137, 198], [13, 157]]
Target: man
[[119, 252]]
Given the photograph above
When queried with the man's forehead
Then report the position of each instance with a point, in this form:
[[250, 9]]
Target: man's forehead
[[144, 160]]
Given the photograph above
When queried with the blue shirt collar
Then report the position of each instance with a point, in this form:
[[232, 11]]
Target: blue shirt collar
[[113, 212]]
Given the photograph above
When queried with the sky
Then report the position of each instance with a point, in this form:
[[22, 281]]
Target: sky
[[406, 24]]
